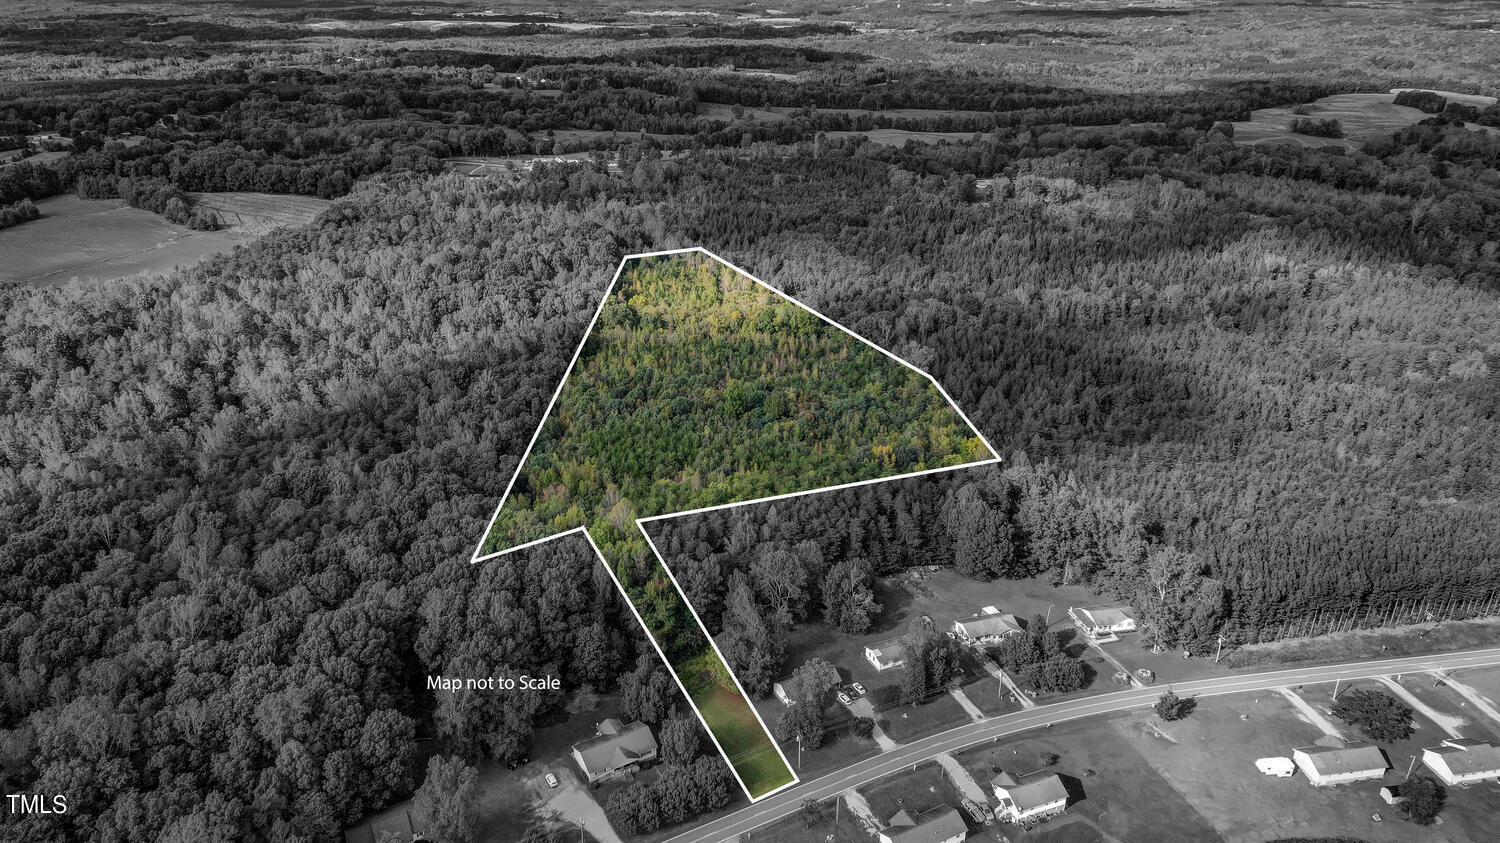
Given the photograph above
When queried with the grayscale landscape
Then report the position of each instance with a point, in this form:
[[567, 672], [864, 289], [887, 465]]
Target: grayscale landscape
[[896, 422]]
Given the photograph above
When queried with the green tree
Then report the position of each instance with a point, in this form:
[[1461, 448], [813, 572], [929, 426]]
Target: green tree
[[680, 740], [1171, 707], [1378, 715], [849, 596], [444, 804], [1422, 799], [801, 723]]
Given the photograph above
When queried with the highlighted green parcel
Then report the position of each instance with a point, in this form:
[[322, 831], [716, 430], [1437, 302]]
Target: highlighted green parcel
[[698, 386]]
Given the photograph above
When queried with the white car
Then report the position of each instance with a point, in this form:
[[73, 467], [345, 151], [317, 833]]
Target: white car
[[845, 698], [858, 688], [551, 780]]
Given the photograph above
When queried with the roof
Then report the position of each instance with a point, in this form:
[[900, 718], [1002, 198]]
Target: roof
[[980, 625], [1110, 616], [1355, 757], [940, 823], [891, 648], [1467, 758], [789, 684], [616, 746], [1031, 792]]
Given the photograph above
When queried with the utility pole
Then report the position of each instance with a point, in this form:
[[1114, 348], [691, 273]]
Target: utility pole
[[1049, 613], [1410, 767], [799, 751], [1219, 651], [1336, 687]]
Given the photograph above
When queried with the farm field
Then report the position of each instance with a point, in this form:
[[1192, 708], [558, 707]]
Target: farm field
[[102, 239], [1361, 115], [258, 213], [106, 240]]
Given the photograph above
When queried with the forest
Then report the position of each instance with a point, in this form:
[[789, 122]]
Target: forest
[[698, 387], [1259, 382]]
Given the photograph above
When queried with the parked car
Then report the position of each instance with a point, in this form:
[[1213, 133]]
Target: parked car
[[516, 762], [845, 698], [551, 780], [859, 689]]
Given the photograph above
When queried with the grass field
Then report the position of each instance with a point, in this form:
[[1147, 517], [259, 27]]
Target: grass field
[[729, 716], [1361, 115], [841, 824], [1389, 642], [102, 239], [106, 240], [918, 790]]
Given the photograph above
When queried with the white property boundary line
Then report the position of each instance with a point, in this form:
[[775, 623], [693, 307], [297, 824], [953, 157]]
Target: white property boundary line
[[640, 522], [678, 679]]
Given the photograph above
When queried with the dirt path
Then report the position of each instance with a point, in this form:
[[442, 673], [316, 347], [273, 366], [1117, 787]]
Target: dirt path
[[1310, 714], [1446, 722], [961, 779], [1110, 657], [570, 802], [963, 699], [1473, 696], [860, 808], [994, 670], [864, 708]]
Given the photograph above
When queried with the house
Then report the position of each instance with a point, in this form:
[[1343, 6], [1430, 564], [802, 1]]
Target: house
[[786, 690], [1030, 797], [887, 654], [1463, 761], [615, 750], [987, 626], [939, 825], [1352, 762], [1103, 623], [1276, 766]]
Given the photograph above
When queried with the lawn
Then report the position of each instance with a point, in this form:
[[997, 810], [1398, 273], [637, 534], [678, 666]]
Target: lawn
[[918, 790], [746, 744], [909, 722], [1111, 783], [842, 824]]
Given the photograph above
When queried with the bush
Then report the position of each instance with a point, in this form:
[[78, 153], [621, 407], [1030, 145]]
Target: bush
[[1171, 707], [17, 213], [863, 727]]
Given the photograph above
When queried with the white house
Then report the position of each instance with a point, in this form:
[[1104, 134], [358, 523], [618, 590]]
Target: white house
[[939, 825], [885, 655], [1103, 623], [1352, 762], [615, 750], [987, 626], [1463, 761], [1029, 797], [1276, 766]]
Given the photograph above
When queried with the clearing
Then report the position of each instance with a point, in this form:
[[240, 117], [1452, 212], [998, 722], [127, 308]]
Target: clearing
[[104, 239], [1360, 115]]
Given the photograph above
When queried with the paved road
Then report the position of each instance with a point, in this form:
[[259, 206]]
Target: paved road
[[789, 801]]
